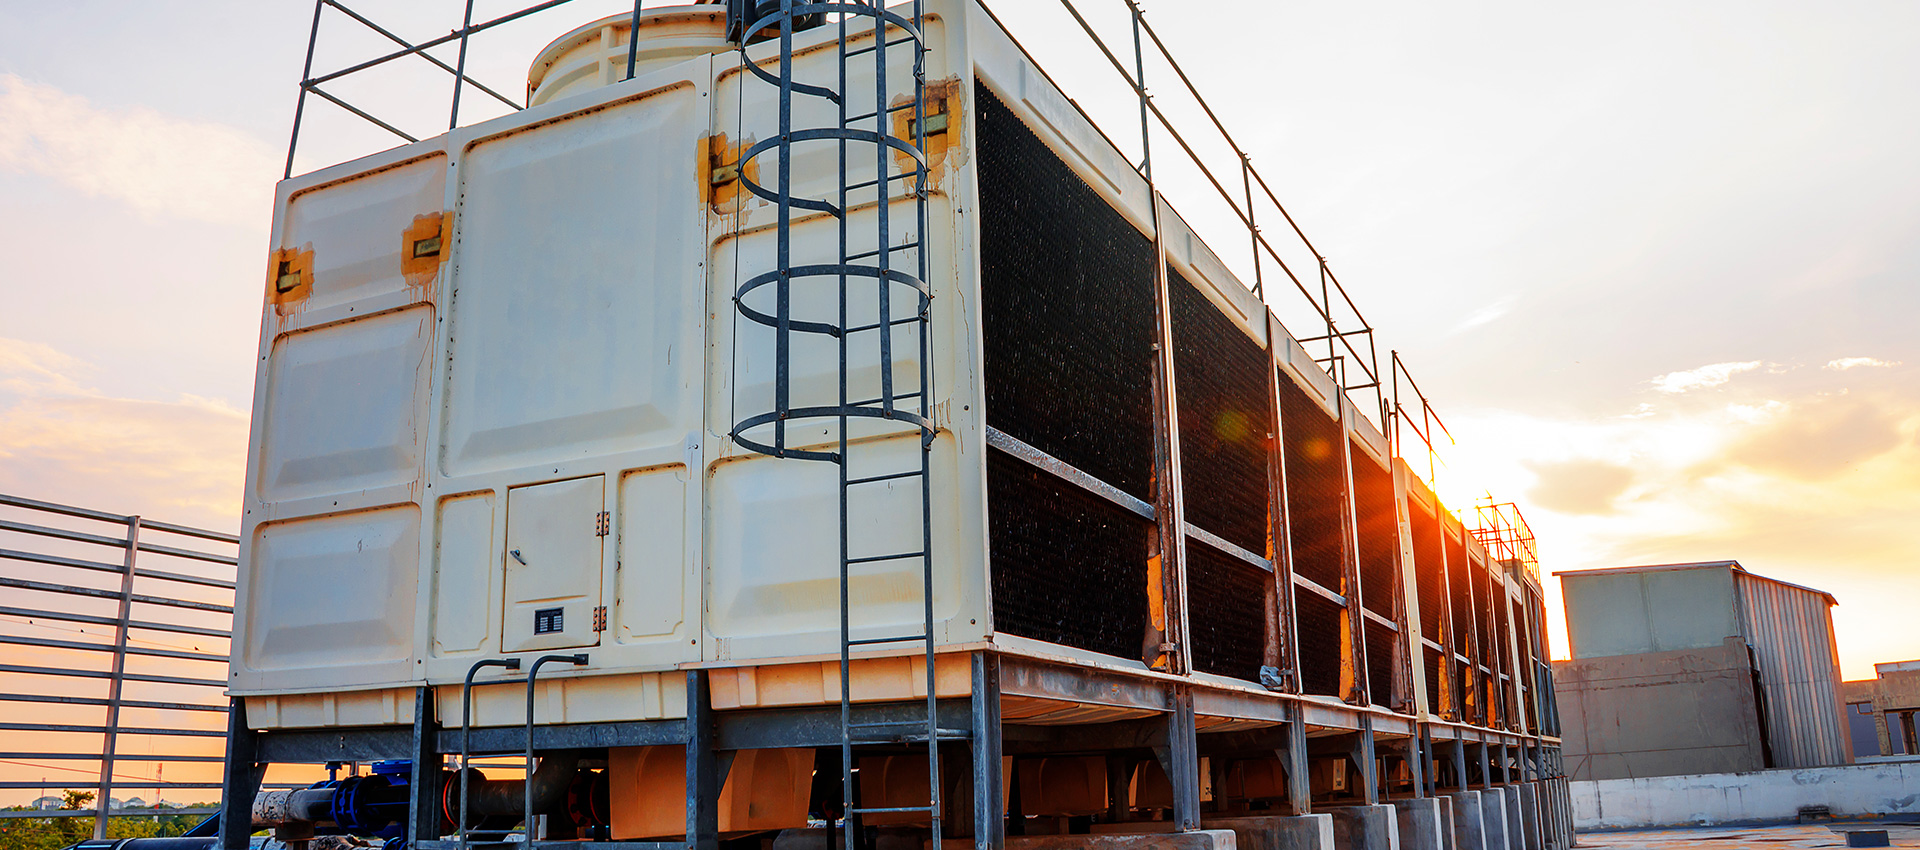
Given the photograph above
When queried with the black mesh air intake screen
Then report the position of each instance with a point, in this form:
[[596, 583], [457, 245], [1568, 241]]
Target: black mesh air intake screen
[[1431, 658], [1316, 485], [1227, 610], [1459, 579], [1429, 577], [1318, 631], [1380, 641], [1066, 297], [1068, 567], [1483, 618], [1221, 383], [1378, 527]]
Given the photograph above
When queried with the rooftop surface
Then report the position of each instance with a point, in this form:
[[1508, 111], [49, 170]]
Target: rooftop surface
[[1722, 838]]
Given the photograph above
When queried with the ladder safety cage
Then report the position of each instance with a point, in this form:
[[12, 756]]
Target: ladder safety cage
[[897, 320]]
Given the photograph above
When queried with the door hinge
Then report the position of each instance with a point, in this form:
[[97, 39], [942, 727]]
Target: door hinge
[[600, 618], [602, 524]]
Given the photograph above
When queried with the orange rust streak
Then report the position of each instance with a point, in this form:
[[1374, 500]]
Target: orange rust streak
[[420, 271], [292, 264]]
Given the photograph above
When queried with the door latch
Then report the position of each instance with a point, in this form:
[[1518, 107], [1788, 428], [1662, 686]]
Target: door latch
[[516, 556]]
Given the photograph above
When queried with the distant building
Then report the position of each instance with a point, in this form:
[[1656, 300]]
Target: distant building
[[48, 803], [1882, 710], [1697, 668]]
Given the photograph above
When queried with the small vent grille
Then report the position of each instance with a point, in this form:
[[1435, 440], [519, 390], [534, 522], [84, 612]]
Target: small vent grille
[[1380, 663], [1066, 297], [1316, 488], [1319, 635], [1225, 417], [1068, 567], [1378, 528], [1227, 612]]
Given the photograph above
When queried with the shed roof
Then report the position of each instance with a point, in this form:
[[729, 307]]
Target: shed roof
[[1697, 565]]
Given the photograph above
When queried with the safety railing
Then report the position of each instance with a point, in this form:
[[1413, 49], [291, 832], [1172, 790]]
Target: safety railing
[[116, 636], [1508, 538]]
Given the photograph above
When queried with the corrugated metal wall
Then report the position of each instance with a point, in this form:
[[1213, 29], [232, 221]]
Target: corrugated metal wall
[[1791, 631]]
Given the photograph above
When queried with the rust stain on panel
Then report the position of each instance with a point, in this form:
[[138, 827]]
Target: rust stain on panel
[[290, 278], [423, 248], [720, 171], [941, 113]]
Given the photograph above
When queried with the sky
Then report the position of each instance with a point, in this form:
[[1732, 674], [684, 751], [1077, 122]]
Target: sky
[[1653, 262]]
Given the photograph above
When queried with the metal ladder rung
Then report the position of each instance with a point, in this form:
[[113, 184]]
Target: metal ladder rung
[[877, 811], [852, 53], [911, 320], [876, 558], [867, 184], [916, 737], [879, 640], [866, 402], [889, 110], [875, 479], [875, 253]]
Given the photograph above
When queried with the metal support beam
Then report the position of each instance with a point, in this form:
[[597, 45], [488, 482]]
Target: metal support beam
[[117, 679], [1179, 755], [423, 791], [1367, 759], [703, 774], [1299, 783], [244, 772], [989, 802]]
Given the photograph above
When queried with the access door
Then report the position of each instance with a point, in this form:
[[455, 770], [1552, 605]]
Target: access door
[[555, 534]]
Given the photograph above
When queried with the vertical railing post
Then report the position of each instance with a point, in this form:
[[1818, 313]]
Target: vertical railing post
[[306, 73], [460, 66], [117, 679]]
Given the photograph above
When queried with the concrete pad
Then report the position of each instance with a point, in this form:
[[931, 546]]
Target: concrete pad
[[1365, 828], [1469, 828], [1447, 830], [1421, 826], [1205, 839], [1516, 824], [1535, 834], [1306, 832], [1493, 817]]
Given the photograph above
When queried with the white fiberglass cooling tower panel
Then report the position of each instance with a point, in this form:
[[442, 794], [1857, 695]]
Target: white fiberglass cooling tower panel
[[773, 544], [357, 228], [652, 600], [577, 281], [342, 409], [334, 591], [465, 562]]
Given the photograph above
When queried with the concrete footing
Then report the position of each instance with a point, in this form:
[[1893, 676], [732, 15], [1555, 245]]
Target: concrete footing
[[1306, 832], [1365, 828], [1469, 827], [1205, 839], [1516, 824], [1534, 836], [1421, 825], [1493, 817]]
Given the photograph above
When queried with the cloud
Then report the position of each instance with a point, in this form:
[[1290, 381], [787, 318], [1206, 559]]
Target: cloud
[[60, 441], [1820, 440], [1581, 486], [1845, 363], [162, 166], [1705, 377], [1485, 314]]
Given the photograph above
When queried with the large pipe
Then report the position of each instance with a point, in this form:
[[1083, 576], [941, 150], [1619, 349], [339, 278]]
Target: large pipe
[[487, 798]]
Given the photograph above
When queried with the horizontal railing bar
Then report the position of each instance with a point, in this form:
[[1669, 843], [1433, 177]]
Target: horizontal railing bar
[[118, 757], [871, 559], [51, 643], [427, 56], [187, 531], [125, 730], [122, 519], [63, 534], [183, 578], [125, 703], [1012, 445], [1228, 547], [70, 590], [89, 619], [881, 640], [315, 88], [108, 674], [58, 561], [112, 813], [178, 552], [1310, 584]]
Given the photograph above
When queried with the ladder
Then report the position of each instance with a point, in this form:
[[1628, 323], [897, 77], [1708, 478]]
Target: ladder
[[894, 271]]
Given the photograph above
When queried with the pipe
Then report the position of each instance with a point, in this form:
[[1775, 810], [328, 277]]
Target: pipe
[[487, 798]]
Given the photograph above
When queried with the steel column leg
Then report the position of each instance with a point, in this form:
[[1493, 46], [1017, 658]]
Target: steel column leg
[[1299, 784], [1180, 758], [1459, 765], [703, 772], [1367, 759], [989, 801], [423, 793], [242, 781], [1486, 766]]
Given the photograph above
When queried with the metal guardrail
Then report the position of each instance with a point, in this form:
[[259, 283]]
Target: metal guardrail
[[144, 613]]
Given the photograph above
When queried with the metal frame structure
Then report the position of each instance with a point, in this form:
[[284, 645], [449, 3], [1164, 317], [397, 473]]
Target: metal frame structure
[[1487, 737], [150, 603]]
